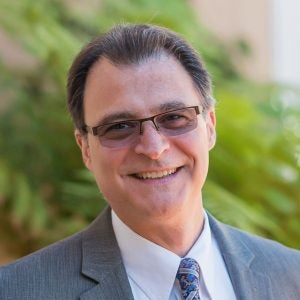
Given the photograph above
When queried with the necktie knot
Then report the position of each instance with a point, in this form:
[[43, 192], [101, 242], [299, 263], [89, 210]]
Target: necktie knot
[[188, 276]]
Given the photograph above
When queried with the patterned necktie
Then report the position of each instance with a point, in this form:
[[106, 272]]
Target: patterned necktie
[[188, 275]]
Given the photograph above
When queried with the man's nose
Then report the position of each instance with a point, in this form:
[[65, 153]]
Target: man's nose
[[151, 142]]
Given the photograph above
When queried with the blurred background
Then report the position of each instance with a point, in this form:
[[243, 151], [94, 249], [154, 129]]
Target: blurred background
[[251, 51]]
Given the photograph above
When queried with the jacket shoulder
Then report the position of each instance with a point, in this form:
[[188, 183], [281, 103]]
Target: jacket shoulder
[[267, 249], [44, 273], [279, 263]]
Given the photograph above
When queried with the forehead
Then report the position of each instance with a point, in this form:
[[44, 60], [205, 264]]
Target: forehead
[[140, 89]]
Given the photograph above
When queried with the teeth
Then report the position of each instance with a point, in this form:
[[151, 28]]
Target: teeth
[[153, 175]]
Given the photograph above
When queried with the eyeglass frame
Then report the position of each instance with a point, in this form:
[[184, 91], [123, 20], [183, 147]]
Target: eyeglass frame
[[94, 130]]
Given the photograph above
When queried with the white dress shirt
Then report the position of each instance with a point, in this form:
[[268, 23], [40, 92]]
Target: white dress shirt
[[152, 269]]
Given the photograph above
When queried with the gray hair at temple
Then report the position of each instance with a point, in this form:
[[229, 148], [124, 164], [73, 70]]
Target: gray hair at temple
[[131, 44]]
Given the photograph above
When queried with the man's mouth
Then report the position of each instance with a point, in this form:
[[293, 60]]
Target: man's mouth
[[156, 174]]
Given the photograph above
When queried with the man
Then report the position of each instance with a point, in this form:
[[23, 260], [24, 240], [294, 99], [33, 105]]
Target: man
[[141, 102]]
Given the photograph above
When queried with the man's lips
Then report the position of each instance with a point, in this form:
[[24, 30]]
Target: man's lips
[[155, 174]]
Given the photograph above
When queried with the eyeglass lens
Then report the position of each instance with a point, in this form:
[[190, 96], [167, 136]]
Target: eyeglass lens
[[126, 132]]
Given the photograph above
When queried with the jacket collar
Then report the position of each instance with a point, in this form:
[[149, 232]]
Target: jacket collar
[[102, 262], [248, 281]]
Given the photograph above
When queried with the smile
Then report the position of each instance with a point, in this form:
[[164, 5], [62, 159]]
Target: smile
[[155, 175]]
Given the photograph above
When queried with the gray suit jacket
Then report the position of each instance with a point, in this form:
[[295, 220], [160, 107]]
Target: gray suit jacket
[[88, 266]]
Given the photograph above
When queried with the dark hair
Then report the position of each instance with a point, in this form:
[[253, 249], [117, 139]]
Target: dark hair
[[133, 44]]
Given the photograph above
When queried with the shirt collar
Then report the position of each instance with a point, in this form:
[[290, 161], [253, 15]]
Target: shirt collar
[[149, 264]]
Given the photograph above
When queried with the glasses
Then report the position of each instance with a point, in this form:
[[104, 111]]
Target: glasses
[[125, 133]]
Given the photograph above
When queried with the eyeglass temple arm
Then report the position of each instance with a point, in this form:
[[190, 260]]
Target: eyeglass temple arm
[[88, 129]]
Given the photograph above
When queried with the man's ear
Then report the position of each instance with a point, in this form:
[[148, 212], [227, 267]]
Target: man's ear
[[82, 142], [211, 128]]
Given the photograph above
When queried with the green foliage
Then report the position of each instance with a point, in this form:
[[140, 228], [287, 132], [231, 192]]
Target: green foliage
[[256, 160], [254, 178]]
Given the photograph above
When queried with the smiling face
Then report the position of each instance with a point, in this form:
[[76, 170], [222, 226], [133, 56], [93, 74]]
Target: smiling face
[[157, 176]]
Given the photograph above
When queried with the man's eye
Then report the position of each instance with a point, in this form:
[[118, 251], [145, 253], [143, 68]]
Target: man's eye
[[117, 130], [173, 117], [173, 120], [169, 118], [120, 126]]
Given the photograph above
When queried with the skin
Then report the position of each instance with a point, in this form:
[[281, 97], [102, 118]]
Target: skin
[[168, 210]]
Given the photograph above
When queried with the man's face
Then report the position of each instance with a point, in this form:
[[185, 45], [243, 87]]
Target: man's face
[[177, 165]]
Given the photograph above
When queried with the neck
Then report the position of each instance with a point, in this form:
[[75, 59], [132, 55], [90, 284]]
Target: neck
[[171, 232]]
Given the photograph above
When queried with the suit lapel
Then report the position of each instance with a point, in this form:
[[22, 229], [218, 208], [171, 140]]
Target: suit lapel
[[248, 283], [102, 262]]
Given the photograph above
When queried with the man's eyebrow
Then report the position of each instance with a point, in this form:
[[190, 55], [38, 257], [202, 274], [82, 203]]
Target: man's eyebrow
[[116, 116], [172, 105]]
